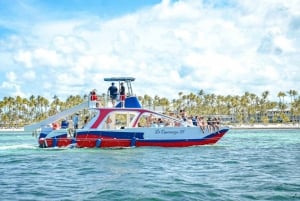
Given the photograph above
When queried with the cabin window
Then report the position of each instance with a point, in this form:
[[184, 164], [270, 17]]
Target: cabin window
[[153, 120], [119, 119]]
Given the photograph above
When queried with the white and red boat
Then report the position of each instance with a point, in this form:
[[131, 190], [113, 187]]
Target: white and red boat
[[124, 126]]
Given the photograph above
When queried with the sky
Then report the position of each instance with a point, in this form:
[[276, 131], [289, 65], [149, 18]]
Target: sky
[[225, 47]]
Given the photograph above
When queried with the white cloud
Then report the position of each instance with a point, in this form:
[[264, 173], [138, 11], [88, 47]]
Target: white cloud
[[47, 57], [29, 75], [284, 43], [25, 58], [69, 44], [11, 76], [170, 47]]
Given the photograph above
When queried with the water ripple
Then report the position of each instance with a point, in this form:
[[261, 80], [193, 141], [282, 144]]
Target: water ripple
[[245, 165]]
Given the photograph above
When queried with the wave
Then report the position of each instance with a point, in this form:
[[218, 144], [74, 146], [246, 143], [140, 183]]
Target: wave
[[18, 146]]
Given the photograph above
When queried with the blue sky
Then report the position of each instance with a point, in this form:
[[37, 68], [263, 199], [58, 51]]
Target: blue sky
[[224, 47]]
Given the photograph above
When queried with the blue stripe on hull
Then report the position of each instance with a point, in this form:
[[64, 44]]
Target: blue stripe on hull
[[216, 133]]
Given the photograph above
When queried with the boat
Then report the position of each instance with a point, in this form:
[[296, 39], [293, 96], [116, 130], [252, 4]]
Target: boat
[[127, 124]]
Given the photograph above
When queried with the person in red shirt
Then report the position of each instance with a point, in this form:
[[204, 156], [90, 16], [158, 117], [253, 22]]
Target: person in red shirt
[[122, 93], [93, 95]]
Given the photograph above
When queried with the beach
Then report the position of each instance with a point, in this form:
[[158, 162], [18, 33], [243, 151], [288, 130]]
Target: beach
[[265, 126], [12, 129], [231, 126]]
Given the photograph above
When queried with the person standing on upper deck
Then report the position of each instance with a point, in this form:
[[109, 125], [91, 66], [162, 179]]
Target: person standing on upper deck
[[113, 93], [122, 94]]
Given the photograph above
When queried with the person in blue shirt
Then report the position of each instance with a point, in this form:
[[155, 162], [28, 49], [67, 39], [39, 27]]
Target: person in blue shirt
[[113, 93], [64, 124], [76, 121]]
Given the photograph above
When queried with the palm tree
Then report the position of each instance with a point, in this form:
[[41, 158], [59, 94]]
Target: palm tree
[[156, 101], [201, 93], [281, 96], [282, 106], [164, 102], [296, 106], [265, 95], [242, 108], [263, 102], [293, 94]]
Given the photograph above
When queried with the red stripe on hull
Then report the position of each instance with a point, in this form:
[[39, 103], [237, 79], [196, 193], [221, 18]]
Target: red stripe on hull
[[60, 142], [105, 143], [64, 142]]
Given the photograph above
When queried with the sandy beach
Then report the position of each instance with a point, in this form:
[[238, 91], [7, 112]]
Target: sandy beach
[[12, 129], [236, 126], [265, 126]]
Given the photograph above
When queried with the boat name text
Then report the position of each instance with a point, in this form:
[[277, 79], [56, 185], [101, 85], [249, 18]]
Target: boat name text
[[174, 132]]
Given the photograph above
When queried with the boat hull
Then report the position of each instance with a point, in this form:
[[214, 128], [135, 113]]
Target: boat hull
[[105, 139]]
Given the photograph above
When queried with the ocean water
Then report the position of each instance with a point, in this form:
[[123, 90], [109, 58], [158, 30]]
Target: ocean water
[[244, 165]]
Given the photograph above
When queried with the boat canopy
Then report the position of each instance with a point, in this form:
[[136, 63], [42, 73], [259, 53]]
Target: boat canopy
[[119, 79], [127, 80]]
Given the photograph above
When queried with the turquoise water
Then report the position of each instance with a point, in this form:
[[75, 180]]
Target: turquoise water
[[244, 165]]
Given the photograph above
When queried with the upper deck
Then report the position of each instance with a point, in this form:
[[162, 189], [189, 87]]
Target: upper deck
[[126, 80]]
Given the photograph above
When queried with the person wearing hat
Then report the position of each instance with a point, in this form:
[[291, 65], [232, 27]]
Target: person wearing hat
[[113, 93]]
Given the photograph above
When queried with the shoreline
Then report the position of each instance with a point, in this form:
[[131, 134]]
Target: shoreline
[[233, 127], [265, 126], [11, 129]]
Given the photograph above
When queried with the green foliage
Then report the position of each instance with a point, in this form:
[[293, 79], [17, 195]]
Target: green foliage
[[248, 108], [265, 119]]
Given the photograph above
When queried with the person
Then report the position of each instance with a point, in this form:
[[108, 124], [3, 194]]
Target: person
[[85, 121], [76, 121], [113, 93], [149, 120], [55, 126], [215, 123], [195, 119], [93, 95], [122, 94], [183, 115], [64, 124], [202, 123], [108, 122], [189, 121], [210, 124], [154, 123], [93, 98], [71, 127]]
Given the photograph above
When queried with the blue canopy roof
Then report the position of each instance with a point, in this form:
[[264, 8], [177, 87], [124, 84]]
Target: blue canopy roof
[[120, 79]]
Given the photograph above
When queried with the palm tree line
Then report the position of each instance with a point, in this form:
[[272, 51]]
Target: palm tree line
[[246, 108]]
